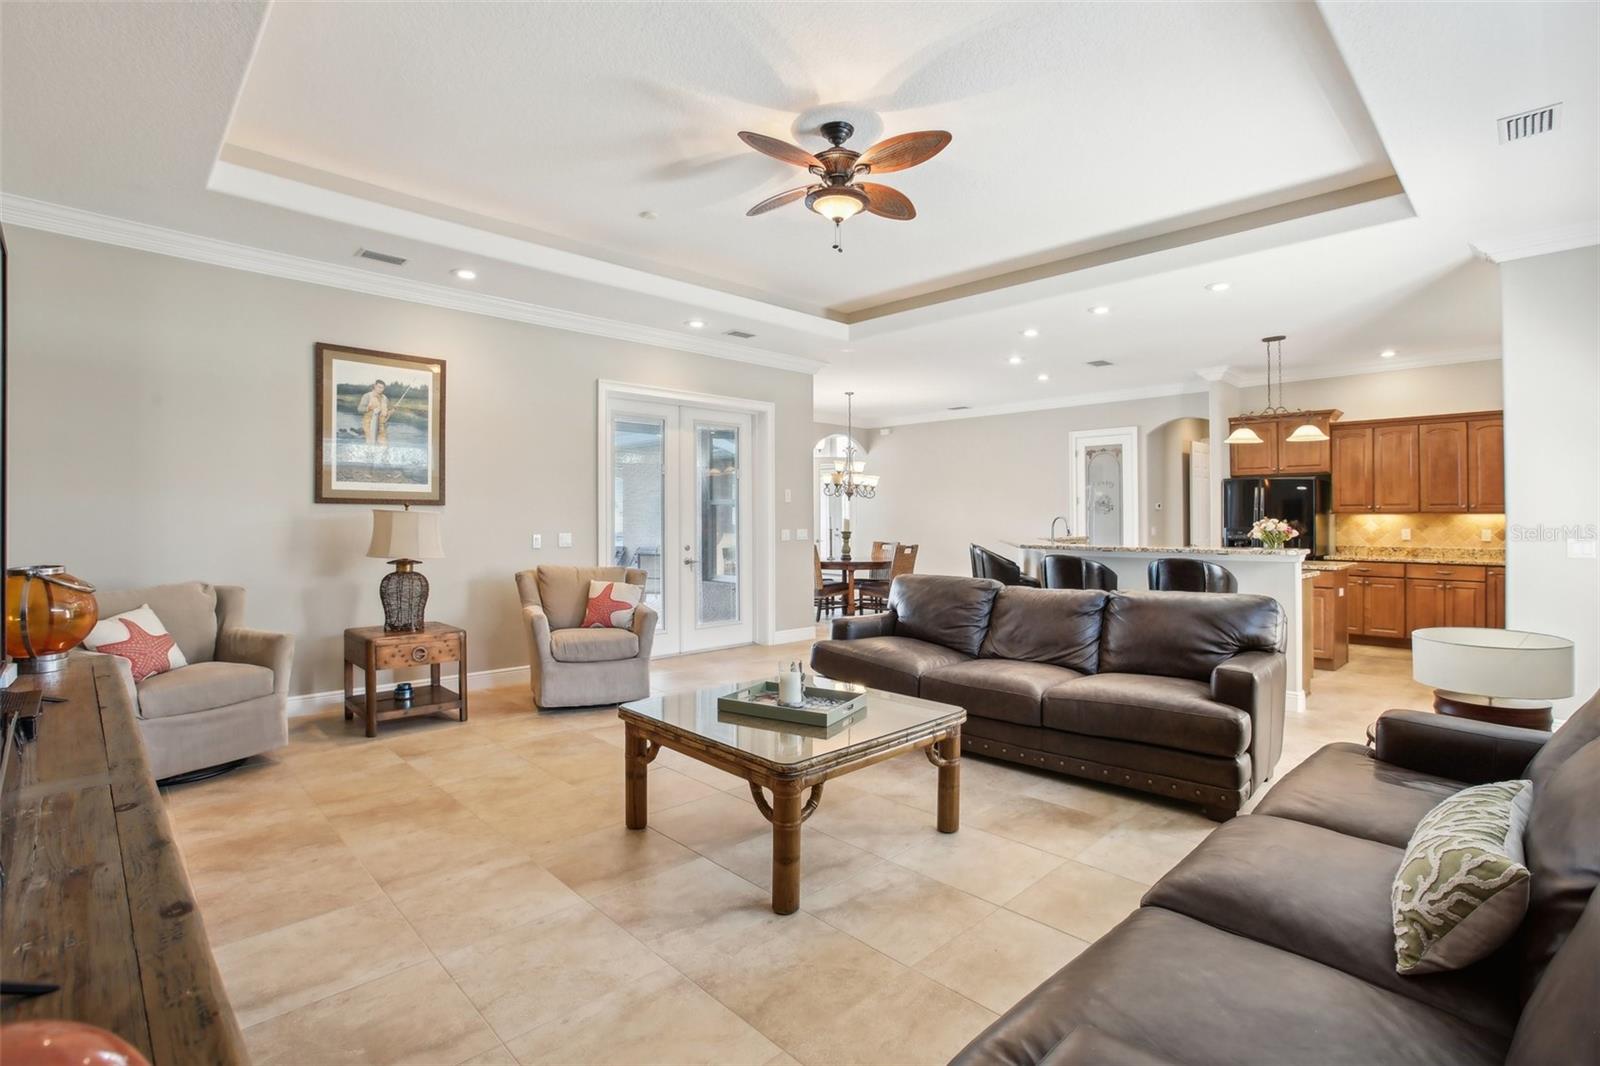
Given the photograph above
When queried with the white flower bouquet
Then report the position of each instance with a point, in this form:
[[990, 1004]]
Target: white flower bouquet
[[1273, 532]]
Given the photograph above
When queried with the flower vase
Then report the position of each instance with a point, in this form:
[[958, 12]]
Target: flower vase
[[1272, 540]]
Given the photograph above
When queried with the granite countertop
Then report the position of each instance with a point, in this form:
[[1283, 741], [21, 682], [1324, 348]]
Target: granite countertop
[[1435, 556], [1314, 565], [1279, 553]]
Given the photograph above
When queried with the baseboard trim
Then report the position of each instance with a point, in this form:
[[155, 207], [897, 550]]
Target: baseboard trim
[[792, 636], [312, 703], [1295, 700]]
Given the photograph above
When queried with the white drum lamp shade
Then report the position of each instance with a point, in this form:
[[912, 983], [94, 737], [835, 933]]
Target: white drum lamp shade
[[1502, 664], [405, 535]]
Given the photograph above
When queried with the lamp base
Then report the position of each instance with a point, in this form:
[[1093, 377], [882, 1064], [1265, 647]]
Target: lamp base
[[53, 663], [1525, 714], [404, 594], [844, 545]]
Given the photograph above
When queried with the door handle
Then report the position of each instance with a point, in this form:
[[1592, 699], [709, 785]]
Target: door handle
[[690, 562]]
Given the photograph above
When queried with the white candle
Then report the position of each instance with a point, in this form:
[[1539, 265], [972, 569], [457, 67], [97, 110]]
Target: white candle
[[845, 525]]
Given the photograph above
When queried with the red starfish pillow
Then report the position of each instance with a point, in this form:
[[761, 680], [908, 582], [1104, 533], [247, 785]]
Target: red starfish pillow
[[611, 605], [139, 637]]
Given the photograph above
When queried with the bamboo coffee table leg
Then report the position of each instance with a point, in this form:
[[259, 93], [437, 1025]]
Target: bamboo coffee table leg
[[949, 752], [786, 819], [636, 778]]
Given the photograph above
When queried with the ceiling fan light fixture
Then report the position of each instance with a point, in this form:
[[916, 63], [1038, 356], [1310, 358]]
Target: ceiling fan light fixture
[[837, 203]]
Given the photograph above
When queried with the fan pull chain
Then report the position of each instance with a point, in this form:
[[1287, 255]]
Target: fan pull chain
[[838, 239]]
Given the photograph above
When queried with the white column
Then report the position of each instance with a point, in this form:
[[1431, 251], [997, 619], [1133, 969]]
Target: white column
[[1222, 394]]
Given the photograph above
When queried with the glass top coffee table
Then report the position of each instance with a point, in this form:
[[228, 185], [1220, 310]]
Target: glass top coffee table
[[789, 759]]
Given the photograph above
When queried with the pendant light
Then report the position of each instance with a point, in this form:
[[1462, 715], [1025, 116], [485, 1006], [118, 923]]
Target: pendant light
[[1306, 433]]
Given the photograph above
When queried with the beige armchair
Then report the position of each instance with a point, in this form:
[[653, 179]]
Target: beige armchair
[[229, 703], [574, 667]]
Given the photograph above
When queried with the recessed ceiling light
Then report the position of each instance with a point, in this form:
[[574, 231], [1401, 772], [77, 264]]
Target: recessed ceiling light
[[1015, 360], [1387, 353], [695, 323], [1030, 333], [1218, 286], [1044, 377], [1099, 309], [464, 274]]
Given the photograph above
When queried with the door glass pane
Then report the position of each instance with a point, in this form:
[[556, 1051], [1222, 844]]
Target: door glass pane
[[717, 523], [638, 495], [1103, 505]]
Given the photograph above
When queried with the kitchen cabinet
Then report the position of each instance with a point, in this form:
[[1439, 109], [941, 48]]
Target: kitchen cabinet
[[1442, 466], [1350, 463], [1304, 457], [1494, 597], [1394, 468], [1355, 594], [1377, 600], [1445, 595], [1486, 466], [1330, 641], [1255, 460]]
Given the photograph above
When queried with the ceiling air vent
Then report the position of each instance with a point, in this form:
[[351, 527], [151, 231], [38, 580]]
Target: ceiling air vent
[[959, 407], [382, 257], [1099, 362], [1529, 123], [741, 334]]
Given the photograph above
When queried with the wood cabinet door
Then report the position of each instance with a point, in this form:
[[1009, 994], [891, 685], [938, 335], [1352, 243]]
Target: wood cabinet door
[[1255, 460], [1303, 457], [1494, 597], [1323, 602], [1442, 466], [1425, 604], [1464, 603], [1394, 468], [1351, 465], [1356, 618], [1486, 465], [1385, 607]]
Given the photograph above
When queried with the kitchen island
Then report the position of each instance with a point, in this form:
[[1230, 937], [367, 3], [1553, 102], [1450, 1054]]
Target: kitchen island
[[1274, 572]]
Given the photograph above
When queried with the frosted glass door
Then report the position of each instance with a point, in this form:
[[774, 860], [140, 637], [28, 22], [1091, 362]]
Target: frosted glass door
[[1103, 494]]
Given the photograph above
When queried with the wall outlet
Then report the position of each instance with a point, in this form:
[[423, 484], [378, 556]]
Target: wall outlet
[[1484, 534], [538, 541], [1405, 533], [783, 534], [802, 534], [564, 540]]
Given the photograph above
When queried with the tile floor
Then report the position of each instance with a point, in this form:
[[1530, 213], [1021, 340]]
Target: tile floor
[[466, 893]]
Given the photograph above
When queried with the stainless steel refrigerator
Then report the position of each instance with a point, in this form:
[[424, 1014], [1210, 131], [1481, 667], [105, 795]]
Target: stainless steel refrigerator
[[1306, 502]]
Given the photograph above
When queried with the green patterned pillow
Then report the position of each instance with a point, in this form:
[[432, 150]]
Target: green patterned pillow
[[1462, 888]]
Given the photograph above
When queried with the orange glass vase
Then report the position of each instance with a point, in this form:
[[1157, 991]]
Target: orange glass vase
[[48, 613]]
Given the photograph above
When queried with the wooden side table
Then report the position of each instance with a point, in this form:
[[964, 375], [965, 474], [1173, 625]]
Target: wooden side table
[[373, 648]]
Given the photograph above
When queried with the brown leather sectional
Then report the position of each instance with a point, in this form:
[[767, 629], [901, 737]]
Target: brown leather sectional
[[1176, 693], [1272, 941]]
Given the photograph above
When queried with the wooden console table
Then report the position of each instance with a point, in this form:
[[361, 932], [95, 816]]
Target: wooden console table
[[96, 900], [373, 648]]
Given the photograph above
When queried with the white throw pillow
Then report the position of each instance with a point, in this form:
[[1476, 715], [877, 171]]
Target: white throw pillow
[[139, 637], [611, 605]]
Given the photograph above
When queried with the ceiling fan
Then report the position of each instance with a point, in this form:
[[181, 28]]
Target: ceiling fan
[[837, 195]]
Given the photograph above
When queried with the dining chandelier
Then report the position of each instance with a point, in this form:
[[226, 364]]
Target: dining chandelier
[[848, 478], [1305, 433]]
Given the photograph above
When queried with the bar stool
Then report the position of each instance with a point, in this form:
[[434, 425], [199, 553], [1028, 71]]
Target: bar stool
[[997, 567], [1190, 575], [1076, 572]]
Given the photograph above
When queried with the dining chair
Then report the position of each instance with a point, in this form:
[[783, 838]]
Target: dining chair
[[1191, 575], [826, 595], [883, 549], [997, 567], [873, 593], [1076, 572]]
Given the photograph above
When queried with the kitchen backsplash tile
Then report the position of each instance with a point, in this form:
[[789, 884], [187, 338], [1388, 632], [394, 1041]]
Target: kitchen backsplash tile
[[1454, 532]]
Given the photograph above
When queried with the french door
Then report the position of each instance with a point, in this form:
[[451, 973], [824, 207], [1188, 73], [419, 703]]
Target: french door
[[681, 511]]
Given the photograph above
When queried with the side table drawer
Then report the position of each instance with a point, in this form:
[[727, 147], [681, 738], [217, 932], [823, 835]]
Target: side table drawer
[[420, 650]]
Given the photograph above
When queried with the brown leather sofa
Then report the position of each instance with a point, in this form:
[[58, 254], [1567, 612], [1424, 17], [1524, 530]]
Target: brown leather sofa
[[1180, 694], [1272, 942]]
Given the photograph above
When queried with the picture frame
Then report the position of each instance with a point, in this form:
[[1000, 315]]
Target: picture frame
[[380, 427]]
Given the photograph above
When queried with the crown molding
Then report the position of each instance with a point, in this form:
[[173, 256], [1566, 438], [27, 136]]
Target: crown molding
[[1506, 247], [1221, 375], [1087, 399], [1380, 366], [142, 236]]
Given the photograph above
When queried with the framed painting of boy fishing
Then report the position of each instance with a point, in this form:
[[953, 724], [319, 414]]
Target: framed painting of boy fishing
[[380, 427]]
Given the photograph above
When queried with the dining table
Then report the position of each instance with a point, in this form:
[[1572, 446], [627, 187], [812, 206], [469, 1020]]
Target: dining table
[[849, 568]]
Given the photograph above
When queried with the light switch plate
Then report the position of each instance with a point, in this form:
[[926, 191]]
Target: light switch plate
[[1405, 533], [783, 534], [788, 495], [1484, 534], [538, 541], [564, 540], [1580, 548], [802, 534]]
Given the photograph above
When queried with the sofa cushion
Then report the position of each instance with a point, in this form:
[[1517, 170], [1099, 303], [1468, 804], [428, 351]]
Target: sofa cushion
[[1323, 895], [188, 609], [1462, 888], [949, 611], [995, 688], [201, 687], [1559, 1024], [1056, 626], [1575, 733], [1562, 846], [1088, 1046], [593, 645], [1185, 634], [1170, 712], [139, 637], [1116, 762], [1343, 788], [894, 664], [564, 590], [1182, 990]]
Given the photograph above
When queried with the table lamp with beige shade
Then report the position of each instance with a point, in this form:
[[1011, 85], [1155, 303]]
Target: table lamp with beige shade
[[404, 538], [1493, 675]]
